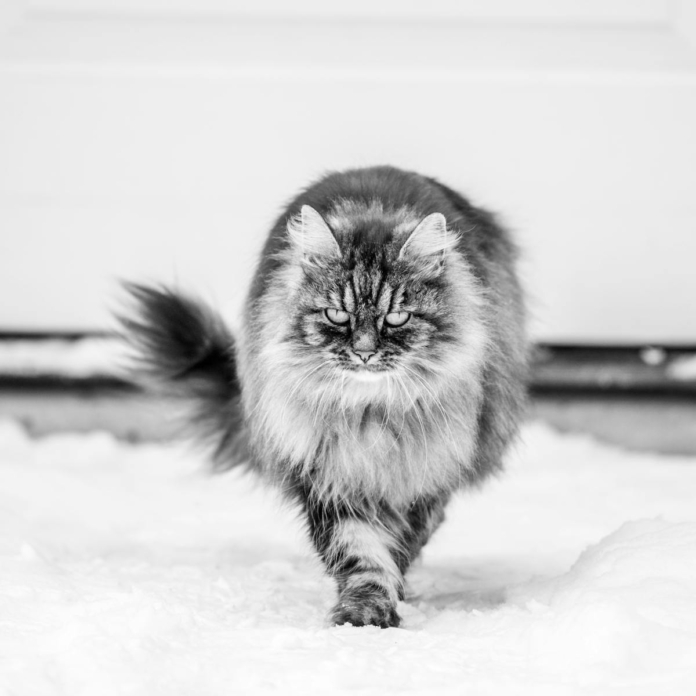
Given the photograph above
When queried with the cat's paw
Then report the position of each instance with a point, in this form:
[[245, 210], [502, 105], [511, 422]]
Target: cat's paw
[[365, 611]]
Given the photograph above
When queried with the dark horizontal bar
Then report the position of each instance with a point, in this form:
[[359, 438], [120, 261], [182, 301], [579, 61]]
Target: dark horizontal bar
[[556, 368], [97, 384], [616, 369], [53, 335]]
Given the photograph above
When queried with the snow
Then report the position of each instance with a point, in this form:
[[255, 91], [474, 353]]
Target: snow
[[84, 357], [126, 569], [653, 356], [683, 368]]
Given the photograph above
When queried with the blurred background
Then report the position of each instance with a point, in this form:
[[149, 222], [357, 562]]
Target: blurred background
[[157, 140]]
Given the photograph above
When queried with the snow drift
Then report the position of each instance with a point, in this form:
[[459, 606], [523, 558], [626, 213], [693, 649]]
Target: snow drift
[[127, 570]]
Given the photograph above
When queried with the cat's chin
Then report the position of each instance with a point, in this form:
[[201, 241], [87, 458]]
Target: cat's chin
[[367, 376]]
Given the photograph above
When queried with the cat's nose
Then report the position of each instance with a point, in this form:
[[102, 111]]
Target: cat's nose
[[364, 355]]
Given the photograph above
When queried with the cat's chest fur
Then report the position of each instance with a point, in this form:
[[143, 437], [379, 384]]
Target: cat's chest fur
[[377, 450]]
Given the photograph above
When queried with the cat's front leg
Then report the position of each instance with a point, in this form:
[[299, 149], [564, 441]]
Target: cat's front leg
[[359, 552], [423, 516]]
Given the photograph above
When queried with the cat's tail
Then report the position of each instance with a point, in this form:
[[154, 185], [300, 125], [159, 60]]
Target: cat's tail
[[183, 349]]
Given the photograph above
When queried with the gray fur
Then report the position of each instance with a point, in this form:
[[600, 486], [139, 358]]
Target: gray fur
[[359, 420]]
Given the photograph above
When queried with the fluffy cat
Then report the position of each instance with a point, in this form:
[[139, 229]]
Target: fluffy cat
[[381, 366]]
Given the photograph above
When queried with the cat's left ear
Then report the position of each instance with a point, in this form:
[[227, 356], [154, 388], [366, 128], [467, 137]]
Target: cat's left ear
[[430, 242], [311, 236]]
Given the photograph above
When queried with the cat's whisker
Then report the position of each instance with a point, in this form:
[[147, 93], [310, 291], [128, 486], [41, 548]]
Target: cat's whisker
[[424, 442], [403, 419], [426, 448], [445, 417], [299, 384]]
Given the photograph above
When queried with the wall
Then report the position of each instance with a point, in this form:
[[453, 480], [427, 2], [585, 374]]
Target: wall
[[156, 139]]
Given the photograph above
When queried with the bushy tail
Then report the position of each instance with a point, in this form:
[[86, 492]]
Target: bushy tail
[[184, 349]]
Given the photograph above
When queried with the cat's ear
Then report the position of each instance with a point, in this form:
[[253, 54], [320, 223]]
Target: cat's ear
[[311, 236], [430, 242]]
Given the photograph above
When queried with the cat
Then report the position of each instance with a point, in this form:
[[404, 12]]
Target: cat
[[381, 366]]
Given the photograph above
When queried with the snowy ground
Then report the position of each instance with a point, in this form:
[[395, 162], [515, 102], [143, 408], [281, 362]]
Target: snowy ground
[[126, 570]]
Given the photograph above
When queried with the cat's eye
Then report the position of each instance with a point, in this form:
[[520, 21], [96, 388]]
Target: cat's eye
[[337, 316], [397, 318]]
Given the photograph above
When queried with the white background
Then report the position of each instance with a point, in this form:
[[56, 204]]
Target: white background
[[158, 139]]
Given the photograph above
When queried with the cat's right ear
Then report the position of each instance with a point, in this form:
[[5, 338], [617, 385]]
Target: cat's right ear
[[310, 236]]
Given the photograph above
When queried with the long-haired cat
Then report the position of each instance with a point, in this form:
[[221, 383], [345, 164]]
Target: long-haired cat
[[380, 367]]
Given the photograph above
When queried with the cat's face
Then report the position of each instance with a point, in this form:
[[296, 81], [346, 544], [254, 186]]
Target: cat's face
[[370, 309]]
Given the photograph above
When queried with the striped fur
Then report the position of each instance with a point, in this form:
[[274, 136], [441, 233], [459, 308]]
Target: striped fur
[[370, 427]]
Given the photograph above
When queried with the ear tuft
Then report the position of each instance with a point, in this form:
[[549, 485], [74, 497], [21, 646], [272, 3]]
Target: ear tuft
[[431, 240], [311, 236]]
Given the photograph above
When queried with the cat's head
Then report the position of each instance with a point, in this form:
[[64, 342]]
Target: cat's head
[[379, 294]]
